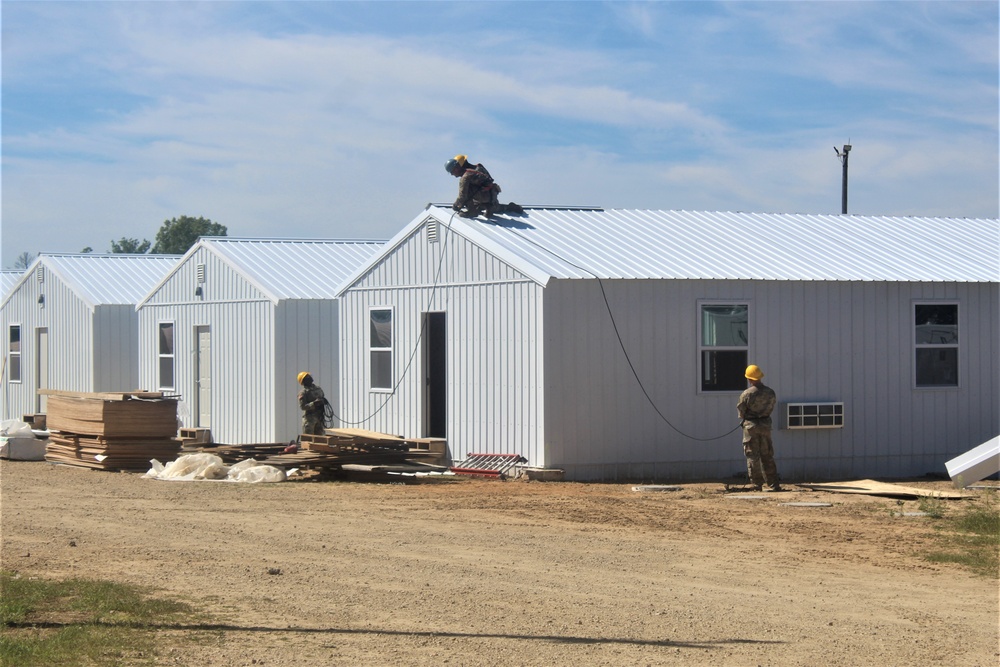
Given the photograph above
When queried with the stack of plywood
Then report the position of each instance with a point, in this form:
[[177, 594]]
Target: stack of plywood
[[111, 430]]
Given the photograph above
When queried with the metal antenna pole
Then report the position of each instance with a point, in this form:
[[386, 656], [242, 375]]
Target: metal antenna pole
[[843, 158]]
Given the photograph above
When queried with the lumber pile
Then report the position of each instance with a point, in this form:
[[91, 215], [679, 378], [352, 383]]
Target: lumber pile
[[111, 430], [339, 450]]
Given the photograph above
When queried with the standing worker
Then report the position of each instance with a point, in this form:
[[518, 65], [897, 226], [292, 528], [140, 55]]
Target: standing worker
[[313, 405], [754, 407], [477, 191]]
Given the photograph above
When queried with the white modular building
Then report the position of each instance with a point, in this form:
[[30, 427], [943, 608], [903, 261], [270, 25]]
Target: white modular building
[[230, 327], [612, 343], [70, 324]]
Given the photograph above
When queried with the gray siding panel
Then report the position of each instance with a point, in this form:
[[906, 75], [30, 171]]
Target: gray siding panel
[[816, 341]]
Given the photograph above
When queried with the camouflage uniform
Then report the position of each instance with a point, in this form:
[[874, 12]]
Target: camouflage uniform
[[313, 405], [754, 407], [477, 193]]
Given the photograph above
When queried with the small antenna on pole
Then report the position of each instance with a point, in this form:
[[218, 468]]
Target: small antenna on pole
[[843, 160]]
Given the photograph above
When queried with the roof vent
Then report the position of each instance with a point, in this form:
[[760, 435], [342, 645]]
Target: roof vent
[[201, 273], [432, 231], [40, 274]]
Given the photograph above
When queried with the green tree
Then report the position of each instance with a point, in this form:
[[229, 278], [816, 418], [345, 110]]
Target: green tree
[[87, 250], [129, 246], [177, 235], [23, 260]]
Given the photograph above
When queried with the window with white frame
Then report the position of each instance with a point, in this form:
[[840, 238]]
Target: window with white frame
[[935, 336], [380, 347], [165, 354], [724, 341], [14, 353]]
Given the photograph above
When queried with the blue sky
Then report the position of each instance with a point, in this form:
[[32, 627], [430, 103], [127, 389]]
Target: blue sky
[[334, 119]]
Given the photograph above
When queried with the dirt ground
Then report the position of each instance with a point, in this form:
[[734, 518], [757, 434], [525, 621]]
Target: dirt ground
[[483, 572]]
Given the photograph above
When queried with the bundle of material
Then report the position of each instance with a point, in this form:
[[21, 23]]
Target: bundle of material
[[109, 453], [111, 431]]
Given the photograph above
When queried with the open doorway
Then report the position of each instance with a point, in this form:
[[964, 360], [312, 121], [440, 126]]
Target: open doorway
[[435, 375]]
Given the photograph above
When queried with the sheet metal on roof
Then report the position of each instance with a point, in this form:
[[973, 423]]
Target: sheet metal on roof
[[295, 268], [621, 243], [109, 279], [8, 278]]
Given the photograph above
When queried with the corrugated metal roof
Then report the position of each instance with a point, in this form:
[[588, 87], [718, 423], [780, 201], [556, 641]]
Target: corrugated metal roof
[[294, 268], [110, 279], [8, 278], [625, 243]]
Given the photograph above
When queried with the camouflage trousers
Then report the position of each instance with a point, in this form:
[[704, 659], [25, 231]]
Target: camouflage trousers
[[759, 451], [312, 424]]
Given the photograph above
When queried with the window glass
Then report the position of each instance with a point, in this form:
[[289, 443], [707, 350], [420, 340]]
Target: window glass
[[724, 342], [14, 353], [723, 325], [380, 344], [936, 344], [937, 367], [166, 355], [381, 369], [936, 323], [723, 370], [167, 338], [381, 328]]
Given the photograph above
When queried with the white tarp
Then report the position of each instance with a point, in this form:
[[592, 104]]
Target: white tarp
[[209, 467], [18, 442]]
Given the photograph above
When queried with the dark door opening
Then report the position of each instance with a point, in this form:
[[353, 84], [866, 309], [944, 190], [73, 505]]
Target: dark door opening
[[436, 365]]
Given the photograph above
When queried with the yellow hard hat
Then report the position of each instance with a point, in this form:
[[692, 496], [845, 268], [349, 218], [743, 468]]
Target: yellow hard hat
[[461, 159], [753, 372], [302, 375]]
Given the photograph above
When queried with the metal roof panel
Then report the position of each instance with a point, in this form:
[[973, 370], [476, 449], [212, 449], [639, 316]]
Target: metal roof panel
[[295, 268], [627, 243]]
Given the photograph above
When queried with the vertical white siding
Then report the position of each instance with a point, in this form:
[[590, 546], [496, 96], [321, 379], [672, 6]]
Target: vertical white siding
[[816, 341], [242, 323], [70, 324], [258, 347], [494, 360]]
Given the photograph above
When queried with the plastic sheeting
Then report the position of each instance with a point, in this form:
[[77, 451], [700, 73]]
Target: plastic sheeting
[[18, 442], [209, 467]]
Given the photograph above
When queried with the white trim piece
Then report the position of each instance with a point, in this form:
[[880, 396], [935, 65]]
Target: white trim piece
[[976, 464]]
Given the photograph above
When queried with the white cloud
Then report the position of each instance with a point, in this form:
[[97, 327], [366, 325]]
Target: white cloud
[[327, 134]]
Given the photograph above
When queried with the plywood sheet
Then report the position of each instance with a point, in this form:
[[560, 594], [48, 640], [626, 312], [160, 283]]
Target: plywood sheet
[[872, 487]]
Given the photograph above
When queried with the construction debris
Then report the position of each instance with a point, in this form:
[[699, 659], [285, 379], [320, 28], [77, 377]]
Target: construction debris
[[488, 465], [341, 451], [208, 467]]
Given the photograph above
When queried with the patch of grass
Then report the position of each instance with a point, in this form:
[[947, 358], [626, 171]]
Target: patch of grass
[[78, 621], [970, 538]]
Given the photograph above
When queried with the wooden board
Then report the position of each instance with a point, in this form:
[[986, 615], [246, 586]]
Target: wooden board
[[104, 395], [152, 418], [874, 488], [109, 454]]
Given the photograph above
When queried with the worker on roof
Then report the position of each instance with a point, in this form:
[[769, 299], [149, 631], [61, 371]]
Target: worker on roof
[[313, 404], [477, 191], [754, 408]]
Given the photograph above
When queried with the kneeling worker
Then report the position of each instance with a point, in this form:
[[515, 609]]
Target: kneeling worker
[[477, 191], [754, 407]]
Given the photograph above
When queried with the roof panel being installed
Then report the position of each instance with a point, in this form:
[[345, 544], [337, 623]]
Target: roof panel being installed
[[627, 243]]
